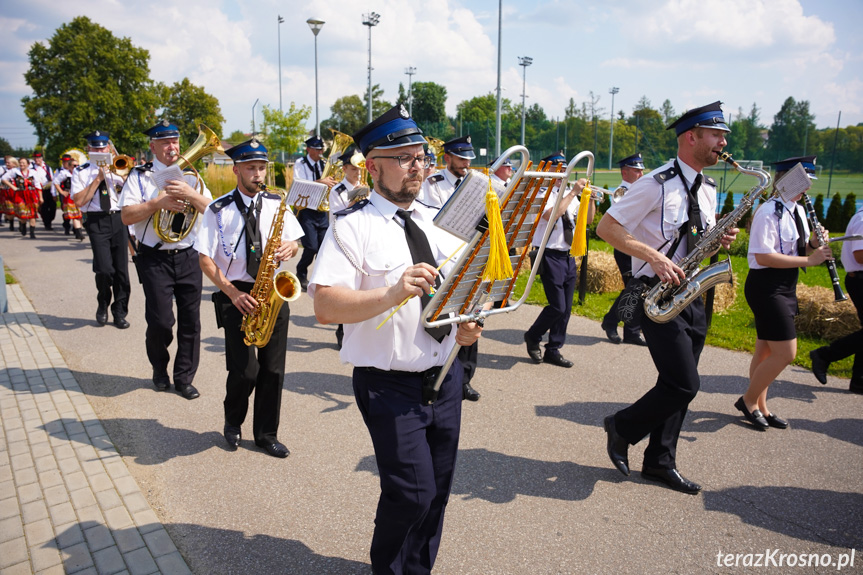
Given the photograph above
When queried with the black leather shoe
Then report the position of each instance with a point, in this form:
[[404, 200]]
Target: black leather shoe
[[232, 436], [304, 285], [161, 381], [188, 391], [774, 420], [470, 393], [856, 388], [612, 336], [754, 417], [275, 449], [533, 350], [617, 447], [637, 340], [102, 316], [819, 366], [672, 478], [121, 323], [554, 358]]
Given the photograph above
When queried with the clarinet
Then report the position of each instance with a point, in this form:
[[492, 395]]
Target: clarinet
[[838, 294]]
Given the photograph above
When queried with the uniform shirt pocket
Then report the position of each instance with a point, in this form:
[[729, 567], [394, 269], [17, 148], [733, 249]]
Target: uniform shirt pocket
[[673, 215], [383, 264]]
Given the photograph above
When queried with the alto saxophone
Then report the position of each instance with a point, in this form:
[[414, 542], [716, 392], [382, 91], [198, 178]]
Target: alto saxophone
[[272, 287], [665, 300]]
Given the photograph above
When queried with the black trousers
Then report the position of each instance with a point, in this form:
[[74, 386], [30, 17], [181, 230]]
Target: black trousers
[[675, 348], [167, 275], [611, 319], [851, 344], [48, 209], [109, 239], [314, 224], [415, 449], [252, 369], [558, 273]]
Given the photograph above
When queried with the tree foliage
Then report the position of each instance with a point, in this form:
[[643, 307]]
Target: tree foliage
[[188, 105], [792, 127], [284, 130], [86, 79], [429, 105], [348, 115], [5, 148]]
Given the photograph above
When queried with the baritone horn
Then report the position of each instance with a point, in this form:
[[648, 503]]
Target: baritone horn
[[333, 167], [171, 227]]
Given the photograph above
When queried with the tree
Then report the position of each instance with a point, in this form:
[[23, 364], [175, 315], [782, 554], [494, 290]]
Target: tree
[[348, 115], [833, 221], [792, 127], [284, 130], [819, 207], [429, 103], [849, 208], [728, 205], [379, 105], [188, 105], [5, 148], [668, 113], [745, 141], [237, 137], [86, 79]]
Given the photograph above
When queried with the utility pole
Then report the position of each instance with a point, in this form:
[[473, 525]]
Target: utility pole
[[371, 19], [410, 71], [524, 61], [611, 91]]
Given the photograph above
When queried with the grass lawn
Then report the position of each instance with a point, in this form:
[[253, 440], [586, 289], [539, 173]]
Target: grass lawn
[[732, 329]]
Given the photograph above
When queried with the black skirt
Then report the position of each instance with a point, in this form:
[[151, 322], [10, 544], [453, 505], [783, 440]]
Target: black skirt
[[772, 295]]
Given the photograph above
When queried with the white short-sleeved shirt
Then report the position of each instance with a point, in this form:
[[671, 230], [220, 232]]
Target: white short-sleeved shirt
[[437, 188], [222, 236], [303, 169], [46, 174], [655, 207], [773, 230], [60, 176], [339, 197], [855, 227], [81, 178], [140, 187], [373, 237], [33, 175], [556, 240]]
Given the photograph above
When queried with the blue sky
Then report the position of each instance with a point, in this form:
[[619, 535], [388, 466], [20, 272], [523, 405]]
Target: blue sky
[[689, 51]]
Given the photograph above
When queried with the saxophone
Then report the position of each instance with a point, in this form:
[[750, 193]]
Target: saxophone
[[272, 287], [665, 301]]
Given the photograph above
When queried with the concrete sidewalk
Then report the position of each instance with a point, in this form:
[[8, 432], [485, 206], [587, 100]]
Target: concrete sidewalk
[[67, 501]]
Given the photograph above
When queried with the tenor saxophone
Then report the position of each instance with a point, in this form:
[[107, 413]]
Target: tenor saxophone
[[273, 287], [665, 300]]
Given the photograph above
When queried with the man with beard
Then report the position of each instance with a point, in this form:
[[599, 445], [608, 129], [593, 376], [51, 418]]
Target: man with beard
[[314, 222], [659, 220], [377, 253]]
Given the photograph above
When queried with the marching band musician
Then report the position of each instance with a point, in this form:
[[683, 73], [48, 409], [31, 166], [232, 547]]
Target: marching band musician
[[387, 250], [26, 186], [168, 270], [779, 245], [339, 195], [558, 271], [234, 234], [436, 190], [48, 207], [503, 173], [851, 344], [96, 191], [631, 168], [314, 222], [657, 224], [63, 186]]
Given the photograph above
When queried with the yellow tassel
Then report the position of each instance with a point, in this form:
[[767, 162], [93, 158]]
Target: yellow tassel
[[579, 236], [498, 267]]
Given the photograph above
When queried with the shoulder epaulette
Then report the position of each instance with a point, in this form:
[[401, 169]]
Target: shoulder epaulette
[[710, 181], [341, 187], [82, 167], [351, 209], [436, 177], [148, 167], [271, 196], [665, 175], [222, 202], [427, 205]]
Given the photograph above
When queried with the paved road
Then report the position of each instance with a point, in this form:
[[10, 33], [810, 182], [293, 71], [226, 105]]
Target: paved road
[[534, 491]]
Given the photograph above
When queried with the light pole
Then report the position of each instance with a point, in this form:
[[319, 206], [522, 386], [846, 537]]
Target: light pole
[[410, 71], [611, 91], [316, 26], [279, 28], [525, 62], [499, 45], [253, 116], [371, 19]]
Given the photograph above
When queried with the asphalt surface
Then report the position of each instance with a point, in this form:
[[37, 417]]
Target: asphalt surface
[[534, 491]]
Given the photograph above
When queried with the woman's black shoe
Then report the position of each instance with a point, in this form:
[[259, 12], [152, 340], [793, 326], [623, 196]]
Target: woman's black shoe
[[774, 420], [755, 417]]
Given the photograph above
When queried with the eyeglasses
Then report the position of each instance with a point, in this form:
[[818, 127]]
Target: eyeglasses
[[406, 161]]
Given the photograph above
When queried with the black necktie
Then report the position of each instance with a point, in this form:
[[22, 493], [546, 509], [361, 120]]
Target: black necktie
[[457, 182], [253, 247], [568, 227], [317, 170], [418, 244], [104, 198], [695, 226], [801, 234]]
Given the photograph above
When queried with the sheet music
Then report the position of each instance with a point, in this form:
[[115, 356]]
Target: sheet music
[[102, 159], [466, 207], [306, 194], [162, 177], [795, 182]]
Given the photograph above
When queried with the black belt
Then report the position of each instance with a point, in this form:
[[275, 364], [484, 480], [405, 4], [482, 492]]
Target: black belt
[[400, 373], [562, 253], [853, 274], [103, 213], [151, 250]]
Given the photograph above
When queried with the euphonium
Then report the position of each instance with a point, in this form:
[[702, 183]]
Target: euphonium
[[665, 300], [436, 147], [272, 287], [174, 226], [333, 167]]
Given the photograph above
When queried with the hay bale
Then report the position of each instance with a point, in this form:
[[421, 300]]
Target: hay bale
[[724, 295], [602, 273], [823, 317]]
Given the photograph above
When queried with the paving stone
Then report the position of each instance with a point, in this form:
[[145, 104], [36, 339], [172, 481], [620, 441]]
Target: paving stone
[[76, 558], [82, 498], [135, 502], [101, 482], [91, 514], [18, 447], [25, 476], [173, 564], [39, 532], [62, 513], [108, 499], [69, 535], [128, 539], [98, 537], [46, 463], [41, 450], [109, 561], [19, 569], [34, 511], [55, 495], [140, 562], [44, 557], [126, 485], [69, 466], [118, 518], [146, 521], [159, 542], [11, 528], [13, 552], [51, 478], [56, 570], [28, 493], [76, 481]]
